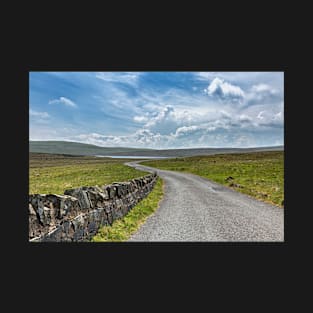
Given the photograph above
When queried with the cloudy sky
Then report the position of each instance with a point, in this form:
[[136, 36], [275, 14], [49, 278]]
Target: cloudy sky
[[158, 109]]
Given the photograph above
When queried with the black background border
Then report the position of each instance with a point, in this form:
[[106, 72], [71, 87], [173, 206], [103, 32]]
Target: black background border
[[83, 264]]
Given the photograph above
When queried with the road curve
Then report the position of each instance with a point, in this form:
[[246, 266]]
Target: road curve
[[197, 209]]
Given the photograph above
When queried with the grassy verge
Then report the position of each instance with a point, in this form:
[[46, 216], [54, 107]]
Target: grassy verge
[[123, 228], [50, 173], [259, 174]]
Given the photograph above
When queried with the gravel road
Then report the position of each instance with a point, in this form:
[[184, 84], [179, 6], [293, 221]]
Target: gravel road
[[197, 209]]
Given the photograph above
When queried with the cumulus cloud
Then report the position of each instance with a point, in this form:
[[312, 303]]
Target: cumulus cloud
[[166, 119], [263, 94], [224, 90], [255, 94], [234, 109], [65, 101], [182, 131], [243, 118], [162, 119], [140, 119], [140, 138], [212, 130], [263, 88], [273, 120], [242, 78]]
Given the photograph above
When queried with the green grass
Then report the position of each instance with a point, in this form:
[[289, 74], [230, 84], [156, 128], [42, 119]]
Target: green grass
[[123, 228], [259, 174], [50, 173]]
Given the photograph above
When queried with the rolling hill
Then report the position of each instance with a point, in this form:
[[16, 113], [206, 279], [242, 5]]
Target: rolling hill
[[76, 148]]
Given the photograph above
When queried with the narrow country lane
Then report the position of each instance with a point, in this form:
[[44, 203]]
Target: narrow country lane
[[197, 209]]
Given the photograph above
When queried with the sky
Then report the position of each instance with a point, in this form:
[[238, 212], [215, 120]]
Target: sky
[[160, 110]]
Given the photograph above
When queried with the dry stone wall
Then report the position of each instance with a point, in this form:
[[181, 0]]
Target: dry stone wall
[[79, 213]]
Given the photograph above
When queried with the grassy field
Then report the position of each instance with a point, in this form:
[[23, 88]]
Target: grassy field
[[123, 228], [50, 173], [260, 174]]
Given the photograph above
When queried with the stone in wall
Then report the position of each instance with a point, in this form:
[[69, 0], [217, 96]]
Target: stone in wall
[[48, 211], [77, 215], [88, 197]]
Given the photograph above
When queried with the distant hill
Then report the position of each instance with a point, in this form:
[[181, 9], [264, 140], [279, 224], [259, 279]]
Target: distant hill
[[76, 148]]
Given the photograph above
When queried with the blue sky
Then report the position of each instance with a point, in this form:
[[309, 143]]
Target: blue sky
[[158, 109]]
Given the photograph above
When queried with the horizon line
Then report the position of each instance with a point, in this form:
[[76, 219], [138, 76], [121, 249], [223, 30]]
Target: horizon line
[[250, 147]]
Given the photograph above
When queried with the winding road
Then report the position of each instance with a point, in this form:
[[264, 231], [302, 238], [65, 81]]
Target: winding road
[[197, 209]]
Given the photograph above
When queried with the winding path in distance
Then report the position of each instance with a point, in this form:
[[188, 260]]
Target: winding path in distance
[[197, 209]]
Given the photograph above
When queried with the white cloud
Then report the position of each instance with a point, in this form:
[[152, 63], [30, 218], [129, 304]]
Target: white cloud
[[243, 78], [176, 115], [205, 76], [217, 129], [65, 101], [130, 78], [141, 138], [263, 88], [140, 119], [270, 119], [184, 130], [263, 94], [260, 115], [162, 116], [243, 118], [169, 126], [222, 89], [166, 119], [42, 115], [247, 88], [276, 120], [170, 122]]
